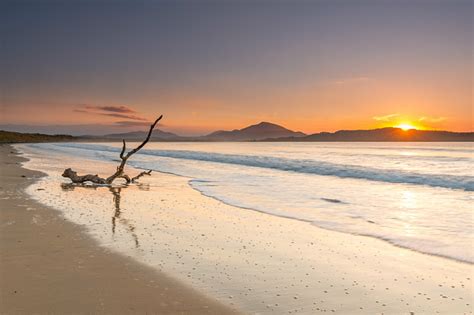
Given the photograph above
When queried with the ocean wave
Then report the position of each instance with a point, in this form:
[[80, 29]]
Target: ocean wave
[[306, 166], [421, 245]]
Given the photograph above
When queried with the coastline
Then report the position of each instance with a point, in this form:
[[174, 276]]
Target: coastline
[[50, 265], [258, 262]]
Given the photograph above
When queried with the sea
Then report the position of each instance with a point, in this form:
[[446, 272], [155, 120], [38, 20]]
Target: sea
[[418, 196]]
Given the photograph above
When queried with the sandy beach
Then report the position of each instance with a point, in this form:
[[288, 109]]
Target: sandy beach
[[237, 157], [247, 260], [48, 265]]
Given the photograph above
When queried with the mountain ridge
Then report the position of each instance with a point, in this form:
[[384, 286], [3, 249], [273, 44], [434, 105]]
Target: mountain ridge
[[387, 134], [260, 131], [263, 131]]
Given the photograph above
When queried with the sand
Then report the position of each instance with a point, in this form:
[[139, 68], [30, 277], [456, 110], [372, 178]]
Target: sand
[[253, 261], [49, 265]]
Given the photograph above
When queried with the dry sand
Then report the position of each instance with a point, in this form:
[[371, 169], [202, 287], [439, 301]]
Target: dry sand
[[40, 273]]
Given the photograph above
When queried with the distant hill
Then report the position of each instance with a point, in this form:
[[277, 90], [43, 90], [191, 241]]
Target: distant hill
[[263, 130], [141, 135], [385, 134], [17, 137]]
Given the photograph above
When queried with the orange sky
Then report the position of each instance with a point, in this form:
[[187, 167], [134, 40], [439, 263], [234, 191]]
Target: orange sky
[[350, 103], [310, 66]]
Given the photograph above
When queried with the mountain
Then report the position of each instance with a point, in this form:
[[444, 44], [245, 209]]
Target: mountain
[[385, 134], [263, 130], [141, 135]]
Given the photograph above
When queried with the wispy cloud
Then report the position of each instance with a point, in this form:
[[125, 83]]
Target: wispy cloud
[[114, 109], [388, 117], [432, 119], [123, 112], [133, 117], [422, 119]]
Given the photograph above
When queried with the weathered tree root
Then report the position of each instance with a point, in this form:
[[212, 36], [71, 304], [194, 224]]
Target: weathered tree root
[[119, 173], [69, 173]]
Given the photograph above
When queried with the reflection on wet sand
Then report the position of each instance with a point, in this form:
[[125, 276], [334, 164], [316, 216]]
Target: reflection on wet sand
[[118, 211], [71, 186]]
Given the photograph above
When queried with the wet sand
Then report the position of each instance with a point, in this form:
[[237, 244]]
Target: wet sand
[[49, 265], [254, 261]]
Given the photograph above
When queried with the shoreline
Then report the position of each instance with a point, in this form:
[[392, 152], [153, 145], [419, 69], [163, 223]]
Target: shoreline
[[257, 262], [461, 261], [50, 265]]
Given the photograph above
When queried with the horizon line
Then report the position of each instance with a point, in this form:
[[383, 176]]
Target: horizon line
[[16, 128]]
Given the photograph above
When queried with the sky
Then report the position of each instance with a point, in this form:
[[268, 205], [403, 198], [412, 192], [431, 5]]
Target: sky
[[92, 67]]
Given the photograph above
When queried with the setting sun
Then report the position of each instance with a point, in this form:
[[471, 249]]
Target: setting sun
[[405, 126]]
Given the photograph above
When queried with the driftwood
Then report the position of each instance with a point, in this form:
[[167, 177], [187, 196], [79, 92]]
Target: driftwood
[[119, 173]]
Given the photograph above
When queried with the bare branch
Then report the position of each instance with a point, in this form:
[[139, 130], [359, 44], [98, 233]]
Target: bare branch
[[120, 168], [126, 177], [119, 173], [140, 175], [124, 147], [129, 154]]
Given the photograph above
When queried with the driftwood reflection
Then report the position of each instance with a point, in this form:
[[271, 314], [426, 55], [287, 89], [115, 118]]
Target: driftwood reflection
[[143, 186], [117, 217], [71, 186]]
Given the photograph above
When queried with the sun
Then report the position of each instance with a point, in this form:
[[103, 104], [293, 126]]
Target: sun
[[405, 126]]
